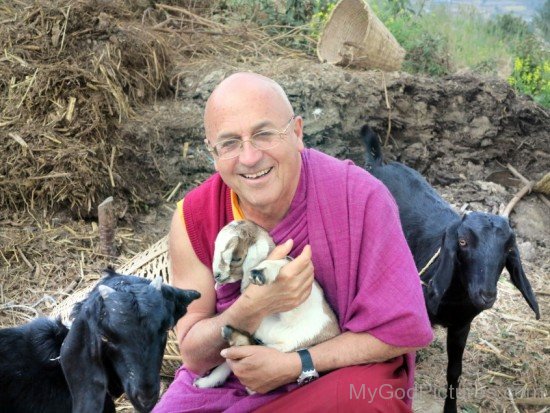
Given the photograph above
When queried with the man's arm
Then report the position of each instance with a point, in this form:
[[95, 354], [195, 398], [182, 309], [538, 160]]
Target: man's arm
[[199, 331], [262, 369]]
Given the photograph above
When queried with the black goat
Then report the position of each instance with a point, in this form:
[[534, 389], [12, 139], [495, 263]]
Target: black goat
[[115, 344], [461, 282]]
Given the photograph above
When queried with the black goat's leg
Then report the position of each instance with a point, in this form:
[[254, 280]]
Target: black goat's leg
[[456, 342]]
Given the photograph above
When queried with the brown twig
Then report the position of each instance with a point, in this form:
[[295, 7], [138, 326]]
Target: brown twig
[[525, 190], [516, 173], [388, 106]]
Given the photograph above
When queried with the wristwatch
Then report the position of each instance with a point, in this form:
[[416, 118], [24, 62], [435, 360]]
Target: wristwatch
[[308, 371]]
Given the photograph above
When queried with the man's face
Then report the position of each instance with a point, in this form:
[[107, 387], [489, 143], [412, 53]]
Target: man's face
[[261, 179]]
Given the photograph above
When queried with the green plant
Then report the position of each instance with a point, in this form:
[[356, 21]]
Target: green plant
[[532, 79], [319, 19]]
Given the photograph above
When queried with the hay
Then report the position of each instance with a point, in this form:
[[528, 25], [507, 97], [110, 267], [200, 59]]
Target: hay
[[71, 73]]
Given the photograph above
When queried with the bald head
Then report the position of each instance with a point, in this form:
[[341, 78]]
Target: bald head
[[243, 91]]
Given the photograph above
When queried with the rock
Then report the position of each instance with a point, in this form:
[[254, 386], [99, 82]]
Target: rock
[[531, 220], [527, 251]]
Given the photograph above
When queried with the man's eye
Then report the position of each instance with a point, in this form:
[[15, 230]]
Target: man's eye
[[228, 144], [265, 135]]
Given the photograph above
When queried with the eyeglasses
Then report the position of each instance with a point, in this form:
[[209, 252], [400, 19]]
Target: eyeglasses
[[262, 140]]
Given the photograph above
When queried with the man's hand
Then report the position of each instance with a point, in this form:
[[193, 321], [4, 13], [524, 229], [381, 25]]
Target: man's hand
[[292, 286], [262, 369]]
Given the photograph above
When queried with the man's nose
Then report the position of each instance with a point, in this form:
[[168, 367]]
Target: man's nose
[[249, 155]]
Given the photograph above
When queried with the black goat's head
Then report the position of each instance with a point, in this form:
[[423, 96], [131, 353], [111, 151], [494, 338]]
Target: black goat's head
[[117, 339], [476, 250]]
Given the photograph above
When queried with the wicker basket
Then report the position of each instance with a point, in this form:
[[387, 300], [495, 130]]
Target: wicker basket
[[354, 36], [149, 263]]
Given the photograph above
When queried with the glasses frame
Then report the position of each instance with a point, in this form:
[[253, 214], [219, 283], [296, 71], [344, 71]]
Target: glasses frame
[[213, 149]]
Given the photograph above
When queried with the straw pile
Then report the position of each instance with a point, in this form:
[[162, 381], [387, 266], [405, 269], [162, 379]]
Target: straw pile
[[71, 73]]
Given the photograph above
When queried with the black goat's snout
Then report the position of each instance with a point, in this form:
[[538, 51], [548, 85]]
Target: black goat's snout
[[144, 401], [486, 299]]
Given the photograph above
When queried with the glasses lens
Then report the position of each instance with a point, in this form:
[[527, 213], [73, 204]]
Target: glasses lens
[[228, 148], [266, 139]]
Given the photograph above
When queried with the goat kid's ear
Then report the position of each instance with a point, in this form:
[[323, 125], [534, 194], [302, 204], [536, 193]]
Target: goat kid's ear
[[520, 281], [445, 266], [80, 360]]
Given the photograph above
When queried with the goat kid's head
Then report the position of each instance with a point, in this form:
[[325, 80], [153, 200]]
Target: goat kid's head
[[239, 247], [476, 249], [116, 341]]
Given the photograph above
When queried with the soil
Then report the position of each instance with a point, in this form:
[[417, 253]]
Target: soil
[[460, 132]]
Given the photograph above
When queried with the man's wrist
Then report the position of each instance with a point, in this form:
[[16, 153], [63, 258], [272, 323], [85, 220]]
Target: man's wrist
[[295, 367], [308, 371], [244, 315]]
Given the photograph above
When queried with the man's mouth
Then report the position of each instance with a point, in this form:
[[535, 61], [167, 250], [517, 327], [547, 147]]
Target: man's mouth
[[257, 174]]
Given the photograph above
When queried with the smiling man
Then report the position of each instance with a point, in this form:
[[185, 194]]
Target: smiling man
[[339, 223]]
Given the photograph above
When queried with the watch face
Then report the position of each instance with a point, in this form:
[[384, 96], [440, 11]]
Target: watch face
[[307, 377]]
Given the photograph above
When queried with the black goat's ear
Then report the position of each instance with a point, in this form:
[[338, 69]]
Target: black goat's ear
[[514, 267], [177, 300], [445, 265], [82, 365]]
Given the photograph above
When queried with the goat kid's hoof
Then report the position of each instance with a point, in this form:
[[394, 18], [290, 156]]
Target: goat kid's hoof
[[227, 332], [203, 383], [257, 276]]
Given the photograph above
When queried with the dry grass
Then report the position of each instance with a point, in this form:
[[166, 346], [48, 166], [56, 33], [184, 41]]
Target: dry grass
[[71, 73]]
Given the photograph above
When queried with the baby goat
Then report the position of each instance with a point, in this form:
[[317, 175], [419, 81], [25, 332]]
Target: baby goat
[[115, 344], [240, 254], [462, 280]]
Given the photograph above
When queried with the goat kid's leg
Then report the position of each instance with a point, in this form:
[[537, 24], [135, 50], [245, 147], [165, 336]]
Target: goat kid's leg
[[267, 271], [237, 338], [216, 378], [456, 342]]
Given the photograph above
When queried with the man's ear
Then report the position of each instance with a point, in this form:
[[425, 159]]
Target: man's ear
[[299, 132]]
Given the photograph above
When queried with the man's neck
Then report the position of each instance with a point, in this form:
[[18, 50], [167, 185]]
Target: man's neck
[[266, 219]]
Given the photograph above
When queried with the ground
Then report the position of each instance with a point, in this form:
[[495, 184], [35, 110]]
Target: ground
[[460, 132]]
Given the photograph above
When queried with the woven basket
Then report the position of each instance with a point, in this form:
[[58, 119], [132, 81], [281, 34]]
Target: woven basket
[[354, 36], [149, 263]]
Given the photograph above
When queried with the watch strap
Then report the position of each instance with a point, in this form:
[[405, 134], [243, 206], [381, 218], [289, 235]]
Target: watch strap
[[307, 362]]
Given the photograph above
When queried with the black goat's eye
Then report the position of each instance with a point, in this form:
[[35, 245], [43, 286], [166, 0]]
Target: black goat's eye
[[511, 249], [104, 339], [462, 242]]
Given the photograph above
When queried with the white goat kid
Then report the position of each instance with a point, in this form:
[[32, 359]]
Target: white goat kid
[[240, 253]]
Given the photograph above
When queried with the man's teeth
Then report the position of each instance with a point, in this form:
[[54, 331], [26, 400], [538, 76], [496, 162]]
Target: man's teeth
[[257, 175]]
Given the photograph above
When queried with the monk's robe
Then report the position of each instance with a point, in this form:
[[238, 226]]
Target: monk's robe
[[362, 263]]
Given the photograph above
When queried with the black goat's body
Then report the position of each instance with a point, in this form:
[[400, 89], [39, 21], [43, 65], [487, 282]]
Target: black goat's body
[[114, 345], [32, 351], [469, 254]]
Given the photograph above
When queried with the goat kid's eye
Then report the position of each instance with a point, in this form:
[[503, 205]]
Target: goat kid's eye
[[236, 259], [462, 242]]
